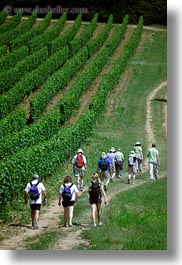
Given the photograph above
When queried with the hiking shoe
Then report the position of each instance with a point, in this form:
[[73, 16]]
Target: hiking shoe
[[100, 223], [94, 225], [36, 225]]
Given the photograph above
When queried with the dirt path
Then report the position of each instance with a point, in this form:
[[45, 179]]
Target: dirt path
[[148, 124], [49, 220]]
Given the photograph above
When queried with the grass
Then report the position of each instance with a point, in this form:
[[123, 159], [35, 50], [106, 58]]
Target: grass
[[139, 220], [134, 220], [44, 241]]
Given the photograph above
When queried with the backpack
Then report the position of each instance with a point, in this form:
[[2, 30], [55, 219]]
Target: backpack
[[94, 190], [79, 161], [34, 192], [131, 161], [103, 164], [66, 194]]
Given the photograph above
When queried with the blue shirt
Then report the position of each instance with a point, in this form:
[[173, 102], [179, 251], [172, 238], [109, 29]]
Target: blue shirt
[[107, 162]]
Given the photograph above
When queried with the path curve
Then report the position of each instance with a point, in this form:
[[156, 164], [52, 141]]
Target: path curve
[[49, 219], [148, 124]]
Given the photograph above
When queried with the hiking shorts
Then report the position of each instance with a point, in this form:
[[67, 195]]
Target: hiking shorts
[[79, 172], [35, 207], [66, 204], [104, 175], [131, 170], [95, 200]]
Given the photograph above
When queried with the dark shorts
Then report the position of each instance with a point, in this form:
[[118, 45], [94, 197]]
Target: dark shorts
[[66, 204], [95, 200], [35, 207]]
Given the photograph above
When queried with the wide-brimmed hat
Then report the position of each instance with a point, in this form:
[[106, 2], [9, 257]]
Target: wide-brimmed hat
[[103, 155], [112, 149], [35, 176], [80, 151], [138, 143], [132, 152]]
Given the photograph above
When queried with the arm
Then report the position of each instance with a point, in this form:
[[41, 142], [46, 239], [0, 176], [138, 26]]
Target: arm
[[44, 196], [76, 197], [73, 164], [25, 197], [158, 162], [104, 195], [60, 198]]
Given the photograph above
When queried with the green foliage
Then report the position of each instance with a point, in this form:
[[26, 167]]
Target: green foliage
[[58, 80], [13, 122], [79, 41], [97, 42], [10, 23], [30, 135], [42, 40], [30, 82], [24, 38], [64, 38], [6, 37], [3, 16], [3, 50], [11, 59], [10, 77], [46, 156]]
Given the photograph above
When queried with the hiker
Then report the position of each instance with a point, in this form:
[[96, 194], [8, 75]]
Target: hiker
[[96, 192], [34, 190], [119, 160], [139, 156], [68, 195], [153, 156], [112, 157], [79, 167], [104, 169], [131, 167]]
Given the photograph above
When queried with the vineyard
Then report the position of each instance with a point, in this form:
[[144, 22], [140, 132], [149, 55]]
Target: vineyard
[[46, 68]]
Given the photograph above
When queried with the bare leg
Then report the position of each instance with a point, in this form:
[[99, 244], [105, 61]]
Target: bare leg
[[65, 215], [93, 211], [71, 208], [99, 213]]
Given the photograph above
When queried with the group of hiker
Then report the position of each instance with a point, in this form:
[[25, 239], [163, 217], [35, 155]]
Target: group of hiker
[[109, 165]]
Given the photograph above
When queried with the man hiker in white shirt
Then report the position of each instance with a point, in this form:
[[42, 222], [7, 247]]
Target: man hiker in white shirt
[[153, 156]]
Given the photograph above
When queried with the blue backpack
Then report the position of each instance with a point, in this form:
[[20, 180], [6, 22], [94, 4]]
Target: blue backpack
[[34, 192], [66, 194]]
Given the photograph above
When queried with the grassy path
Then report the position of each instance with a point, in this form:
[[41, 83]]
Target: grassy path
[[69, 238]]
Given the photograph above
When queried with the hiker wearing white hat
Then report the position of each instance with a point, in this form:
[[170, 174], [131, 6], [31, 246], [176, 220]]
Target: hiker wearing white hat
[[139, 156], [112, 157], [119, 163], [131, 167], [104, 169], [34, 190], [153, 155], [79, 163]]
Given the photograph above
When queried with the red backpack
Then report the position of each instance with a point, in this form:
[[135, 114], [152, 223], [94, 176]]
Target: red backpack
[[79, 161]]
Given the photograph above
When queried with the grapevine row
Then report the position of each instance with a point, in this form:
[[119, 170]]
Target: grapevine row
[[39, 131], [47, 156]]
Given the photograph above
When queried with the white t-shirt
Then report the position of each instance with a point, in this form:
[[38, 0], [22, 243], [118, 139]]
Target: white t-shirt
[[74, 189], [40, 187]]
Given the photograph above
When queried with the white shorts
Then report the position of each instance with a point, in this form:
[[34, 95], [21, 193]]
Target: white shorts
[[79, 171]]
